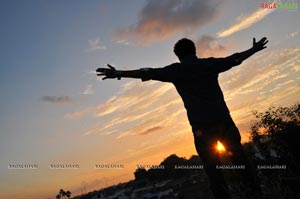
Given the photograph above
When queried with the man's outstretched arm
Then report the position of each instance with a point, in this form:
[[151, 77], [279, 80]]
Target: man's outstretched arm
[[111, 73], [257, 46]]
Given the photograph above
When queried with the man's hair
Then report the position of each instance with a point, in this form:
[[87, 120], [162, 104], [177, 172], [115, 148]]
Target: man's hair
[[184, 47]]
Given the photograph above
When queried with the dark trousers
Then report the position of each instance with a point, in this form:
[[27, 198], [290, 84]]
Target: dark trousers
[[205, 141]]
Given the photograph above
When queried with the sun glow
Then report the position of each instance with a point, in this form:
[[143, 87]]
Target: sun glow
[[220, 147]]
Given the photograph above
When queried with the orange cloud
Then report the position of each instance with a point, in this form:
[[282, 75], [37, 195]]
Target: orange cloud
[[208, 46], [159, 20]]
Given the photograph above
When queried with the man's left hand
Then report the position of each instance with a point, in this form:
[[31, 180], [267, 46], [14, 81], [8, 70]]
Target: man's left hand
[[260, 45]]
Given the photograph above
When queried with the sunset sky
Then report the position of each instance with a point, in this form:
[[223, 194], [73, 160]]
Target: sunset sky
[[54, 109]]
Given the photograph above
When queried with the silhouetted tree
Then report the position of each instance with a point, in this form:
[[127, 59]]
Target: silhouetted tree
[[63, 194], [140, 173], [68, 194], [194, 160], [169, 164], [278, 130]]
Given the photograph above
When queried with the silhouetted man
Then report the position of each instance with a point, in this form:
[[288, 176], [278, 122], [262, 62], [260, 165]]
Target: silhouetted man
[[196, 81]]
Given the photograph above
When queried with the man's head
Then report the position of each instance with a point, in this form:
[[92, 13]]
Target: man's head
[[184, 47]]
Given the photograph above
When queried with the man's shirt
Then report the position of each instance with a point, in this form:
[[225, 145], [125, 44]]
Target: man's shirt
[[196, 81]]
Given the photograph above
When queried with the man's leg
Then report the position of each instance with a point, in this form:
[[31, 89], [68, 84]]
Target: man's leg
[[235, 150], [204, 143]]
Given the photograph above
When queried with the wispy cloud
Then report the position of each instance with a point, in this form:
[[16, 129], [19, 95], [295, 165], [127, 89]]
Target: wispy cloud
[[57, 99], [266, 79], [88, 90], [95, 44], [151, 130], [293, 34], [159, 20], [138, 109], [245, 22], [78, 114], [261, 70]]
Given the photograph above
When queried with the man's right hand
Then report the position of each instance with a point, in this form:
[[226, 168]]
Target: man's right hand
[[108, 73]]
